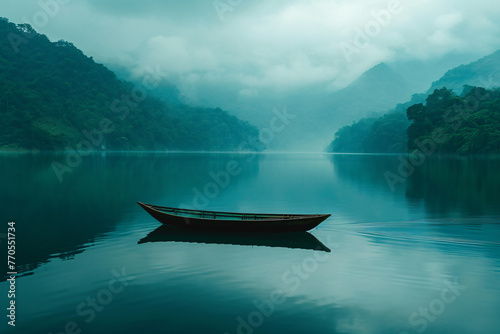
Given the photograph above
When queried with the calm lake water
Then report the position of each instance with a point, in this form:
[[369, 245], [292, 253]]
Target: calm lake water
[[421, 257]]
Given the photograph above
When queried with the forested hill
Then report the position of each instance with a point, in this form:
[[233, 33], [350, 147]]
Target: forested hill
[[384, 134], [388, 133], [54, 97], [484, 72], [446, 123]]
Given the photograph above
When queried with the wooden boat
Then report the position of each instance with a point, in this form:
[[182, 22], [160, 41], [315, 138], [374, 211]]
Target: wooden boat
[[231, 221], [297, 240]]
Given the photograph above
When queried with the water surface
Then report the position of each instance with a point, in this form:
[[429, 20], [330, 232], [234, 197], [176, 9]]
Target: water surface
[[422, 257]]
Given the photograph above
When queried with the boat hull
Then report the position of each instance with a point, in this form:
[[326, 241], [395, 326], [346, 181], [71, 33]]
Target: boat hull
[[297, 223]]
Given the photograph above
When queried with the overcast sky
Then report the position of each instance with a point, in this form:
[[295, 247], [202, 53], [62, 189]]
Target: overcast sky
[[271, 44]]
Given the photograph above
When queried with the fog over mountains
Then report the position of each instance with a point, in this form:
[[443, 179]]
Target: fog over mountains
[[253, 58], [398, 130], [319, 112], [484, 72], [316, 111]]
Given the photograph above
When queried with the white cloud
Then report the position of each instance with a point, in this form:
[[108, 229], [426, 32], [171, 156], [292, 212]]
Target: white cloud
[[177, 55], [267, 45], [448, 21]]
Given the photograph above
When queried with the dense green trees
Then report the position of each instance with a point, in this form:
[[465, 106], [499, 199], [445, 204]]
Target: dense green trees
[[51, 94], [351, 138], [467, 124], [446, 123], [385, 134]]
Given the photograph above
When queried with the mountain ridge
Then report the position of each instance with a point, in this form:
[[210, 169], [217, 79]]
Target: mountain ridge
[[484, 72], [54, 96], [387, 133]]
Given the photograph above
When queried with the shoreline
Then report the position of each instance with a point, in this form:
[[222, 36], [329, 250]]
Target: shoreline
[[437, 155]]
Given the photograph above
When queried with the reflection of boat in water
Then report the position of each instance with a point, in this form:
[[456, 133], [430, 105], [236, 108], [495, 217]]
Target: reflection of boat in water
[[301, 240], [232, 221]]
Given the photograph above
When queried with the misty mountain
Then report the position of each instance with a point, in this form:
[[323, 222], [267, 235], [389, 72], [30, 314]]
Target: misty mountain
[[387, 133], [164, 90], [374, 91], [56, 98], [322, 113], [484, 72], [384, 134], [318, 111]]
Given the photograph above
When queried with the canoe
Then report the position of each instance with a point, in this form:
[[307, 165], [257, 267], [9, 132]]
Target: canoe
[[296, 240], [232, 221]]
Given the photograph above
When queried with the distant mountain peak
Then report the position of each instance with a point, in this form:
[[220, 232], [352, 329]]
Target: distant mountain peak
[[380, 76], [380, 67], [377, 90]]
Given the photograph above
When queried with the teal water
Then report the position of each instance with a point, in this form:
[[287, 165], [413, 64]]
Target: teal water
[[421, 257]]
